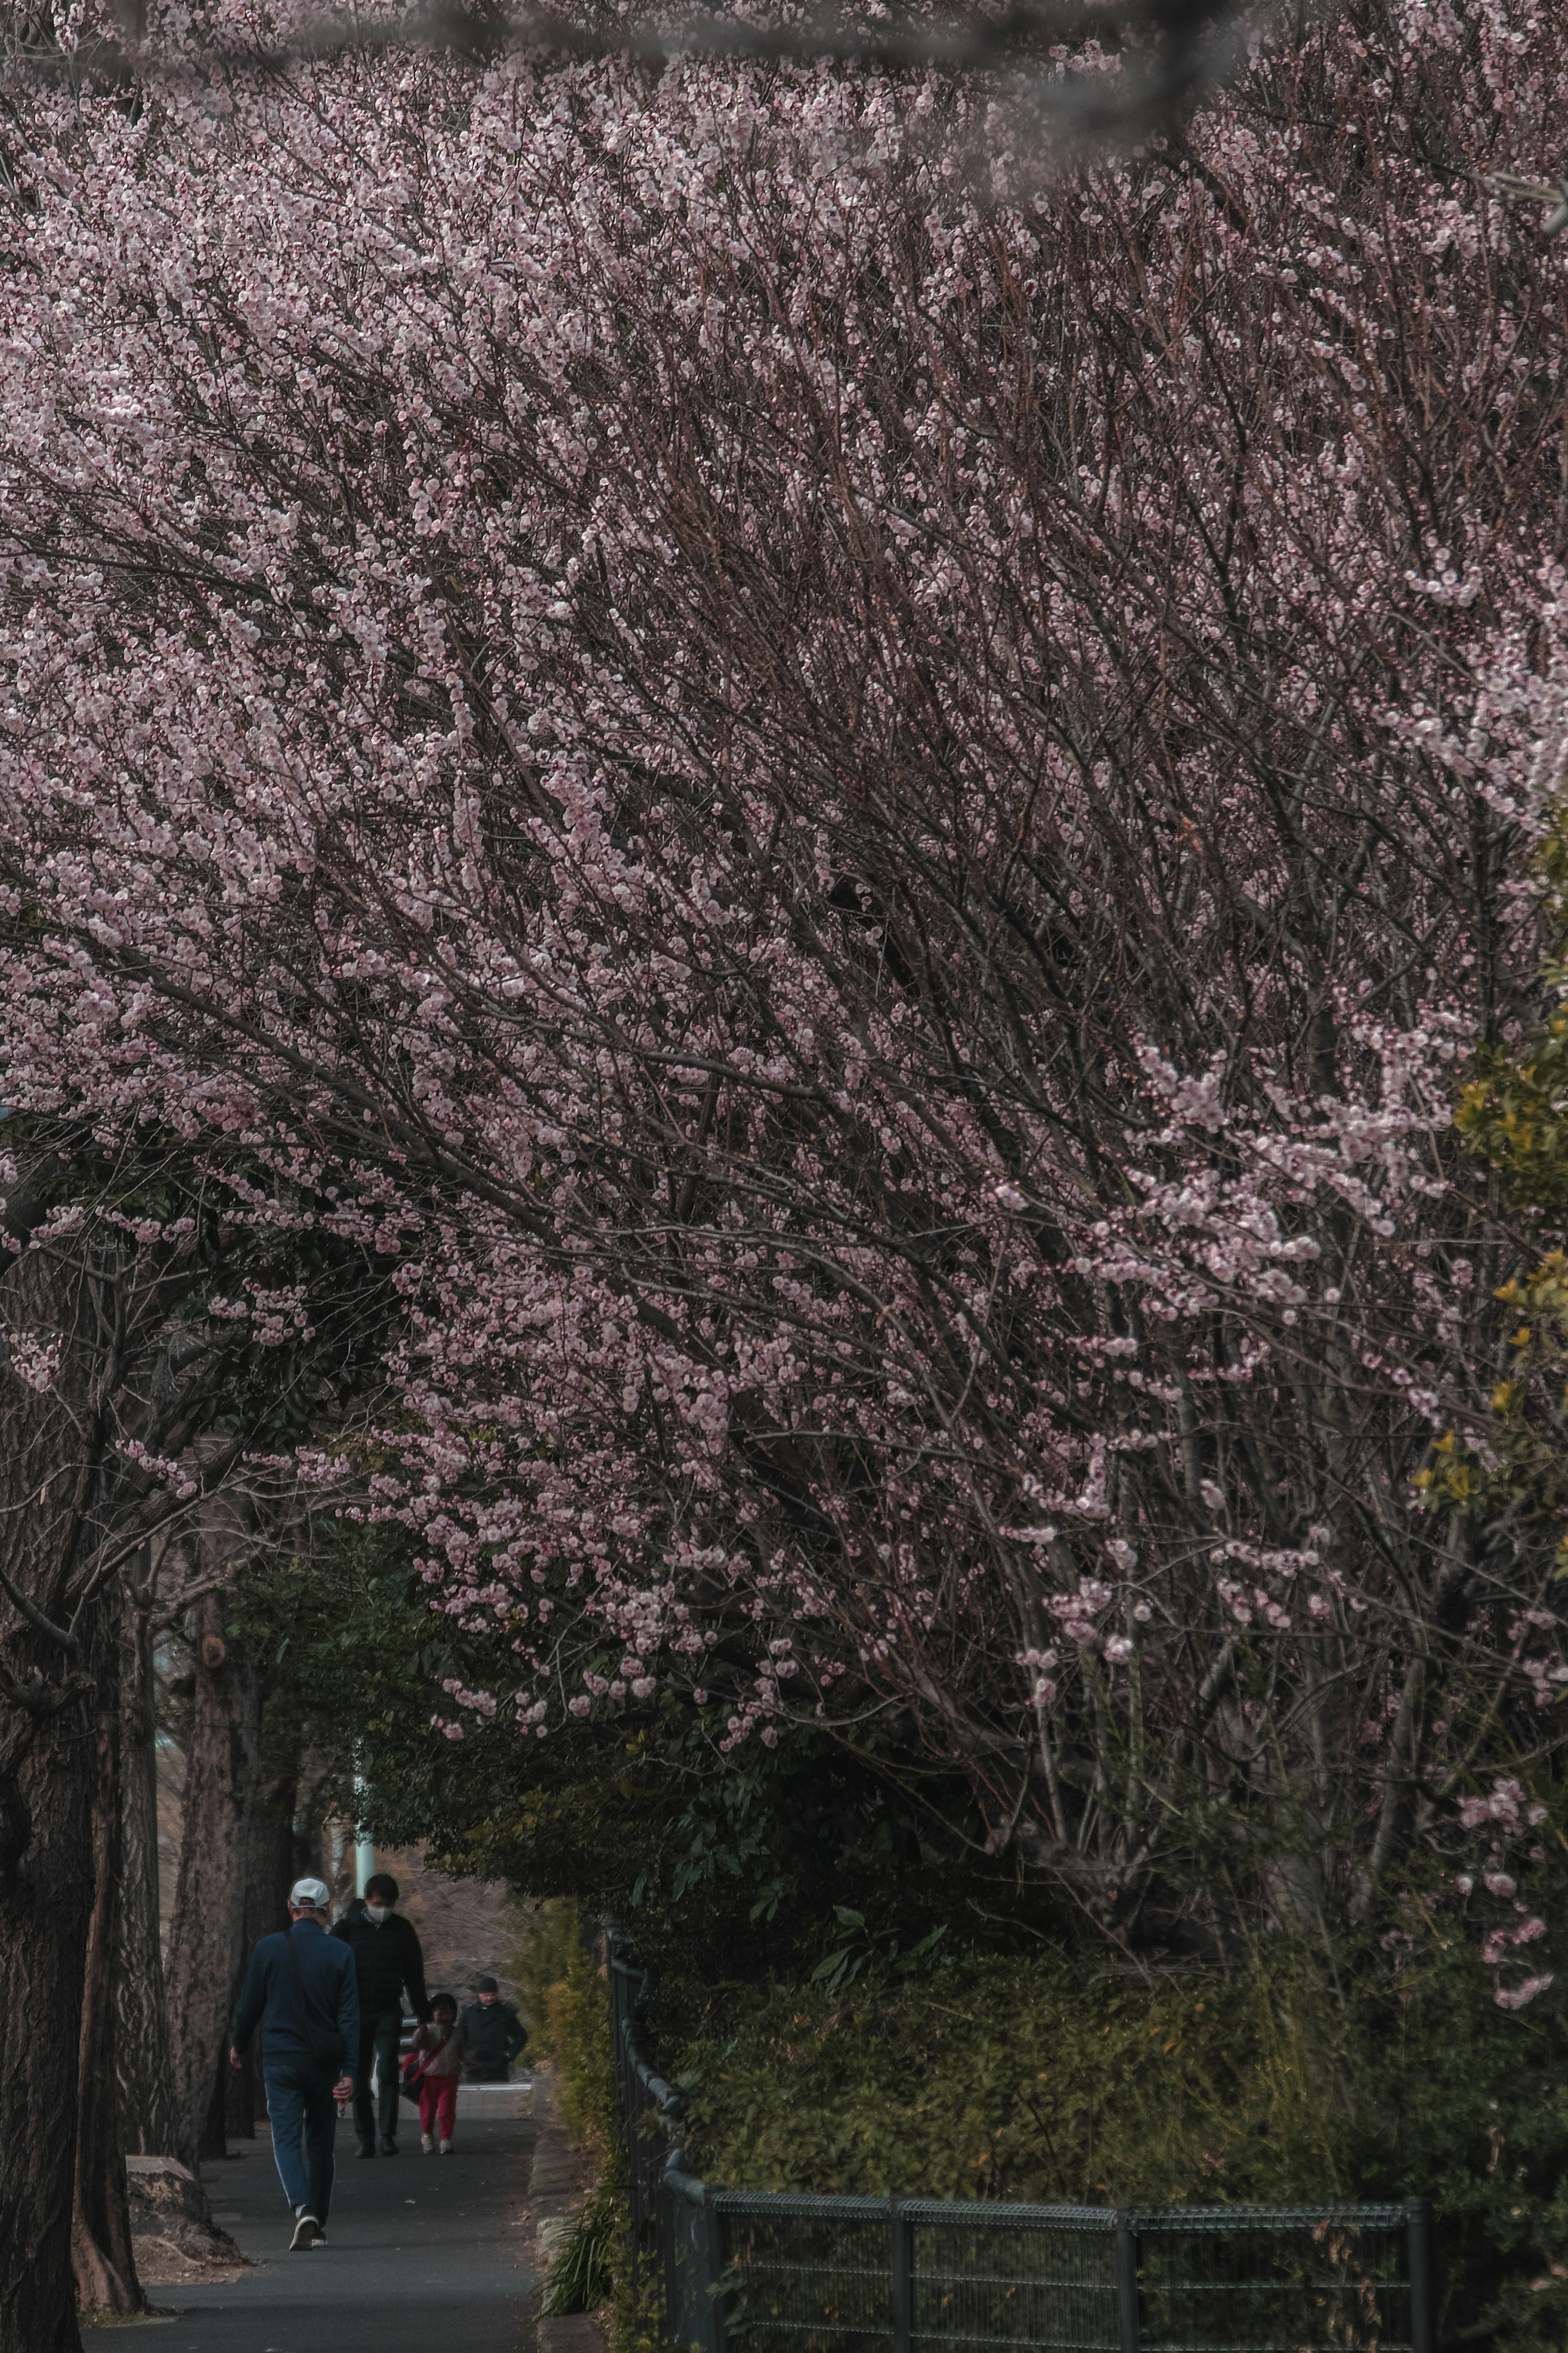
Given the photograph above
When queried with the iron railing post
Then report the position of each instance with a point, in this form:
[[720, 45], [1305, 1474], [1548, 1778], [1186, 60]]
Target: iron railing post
[[1127, 2280], [1423, 2296], [714, 2264], [664, 2244], [903, 2279]]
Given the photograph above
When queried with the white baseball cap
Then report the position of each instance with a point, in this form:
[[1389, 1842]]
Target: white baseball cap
[[313, 1892]]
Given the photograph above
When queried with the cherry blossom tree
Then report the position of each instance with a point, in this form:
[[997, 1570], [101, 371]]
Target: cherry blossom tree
[[98, 1377], [129, 1406], [860, 808]]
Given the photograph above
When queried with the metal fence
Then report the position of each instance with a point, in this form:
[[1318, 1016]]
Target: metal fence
[[750, 2271]]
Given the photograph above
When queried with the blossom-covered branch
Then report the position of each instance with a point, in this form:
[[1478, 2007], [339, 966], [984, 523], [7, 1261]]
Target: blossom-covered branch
[[861, 830]]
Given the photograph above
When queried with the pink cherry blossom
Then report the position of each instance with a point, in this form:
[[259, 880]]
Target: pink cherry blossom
[[856, 820], [1516, 1997]]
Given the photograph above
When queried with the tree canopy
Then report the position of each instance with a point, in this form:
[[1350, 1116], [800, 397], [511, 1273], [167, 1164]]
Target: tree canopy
[[857, 812]]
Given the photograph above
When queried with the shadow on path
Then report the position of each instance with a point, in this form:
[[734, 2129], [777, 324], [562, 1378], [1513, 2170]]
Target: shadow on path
[[421, 2251]]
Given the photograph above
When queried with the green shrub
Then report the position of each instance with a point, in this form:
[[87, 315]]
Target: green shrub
[[547, 1936], [577, 2021], [1029, 2079], [567, 2001]]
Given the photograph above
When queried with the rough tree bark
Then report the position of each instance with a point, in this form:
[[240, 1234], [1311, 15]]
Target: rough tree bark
[[309, 1851], [87, 1358], [144, 2063], [102, 2257], [47, 1760], [45, 1902], [209, 1902], [268, 1875]]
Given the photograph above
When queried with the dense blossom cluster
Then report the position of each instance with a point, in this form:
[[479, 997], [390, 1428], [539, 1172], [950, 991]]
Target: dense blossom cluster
[[1509, 1821], [860, 821]]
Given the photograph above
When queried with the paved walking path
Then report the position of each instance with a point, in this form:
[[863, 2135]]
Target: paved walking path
[[422, 2251]]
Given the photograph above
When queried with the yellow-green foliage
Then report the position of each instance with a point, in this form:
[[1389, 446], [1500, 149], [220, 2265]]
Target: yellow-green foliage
[[566, 2000], [1524, 1469], [1007, 2078], [1514, 1112], [577, 2007], [548, 1938]]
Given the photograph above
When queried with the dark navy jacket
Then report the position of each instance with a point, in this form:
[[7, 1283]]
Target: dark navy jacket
[[490, 2037], [268, 1995]]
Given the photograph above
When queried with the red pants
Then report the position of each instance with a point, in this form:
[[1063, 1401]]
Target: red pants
[[438, 2097]]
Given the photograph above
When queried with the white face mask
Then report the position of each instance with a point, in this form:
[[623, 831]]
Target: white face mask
[[378, 1912]]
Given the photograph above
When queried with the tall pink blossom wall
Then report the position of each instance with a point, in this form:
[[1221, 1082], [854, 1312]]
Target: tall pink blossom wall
[[861, 802]]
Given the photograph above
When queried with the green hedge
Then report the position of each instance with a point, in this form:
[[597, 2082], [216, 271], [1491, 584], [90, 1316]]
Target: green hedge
[[1033, 2079]]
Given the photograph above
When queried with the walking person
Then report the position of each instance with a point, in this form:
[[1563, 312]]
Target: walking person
[[491, 2034], [300, 1989], [442, 2046], [387, 1960]]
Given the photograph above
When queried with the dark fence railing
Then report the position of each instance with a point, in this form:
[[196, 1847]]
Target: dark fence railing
[[754, 2272]]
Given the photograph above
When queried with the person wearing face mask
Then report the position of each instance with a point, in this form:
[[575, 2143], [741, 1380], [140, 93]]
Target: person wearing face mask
[[387, 1961]]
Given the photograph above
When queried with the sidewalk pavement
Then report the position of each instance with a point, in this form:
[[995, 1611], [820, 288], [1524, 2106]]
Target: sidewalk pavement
[[421, 2251]]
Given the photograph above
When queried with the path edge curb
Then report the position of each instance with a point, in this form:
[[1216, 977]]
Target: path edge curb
[[556, 2194]]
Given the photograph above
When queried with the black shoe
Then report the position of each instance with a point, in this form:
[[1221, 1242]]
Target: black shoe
[[389, 2149], [307, 2231], [365, 2149]]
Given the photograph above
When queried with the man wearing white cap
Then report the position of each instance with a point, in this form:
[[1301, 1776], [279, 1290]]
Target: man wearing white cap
[[302, 1989]]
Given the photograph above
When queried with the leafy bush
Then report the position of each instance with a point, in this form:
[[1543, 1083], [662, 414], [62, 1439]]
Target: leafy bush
[[1013, 2078], [578, 2018], [547, 1946]]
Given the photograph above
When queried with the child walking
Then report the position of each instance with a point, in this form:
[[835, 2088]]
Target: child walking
[[441, 2043]]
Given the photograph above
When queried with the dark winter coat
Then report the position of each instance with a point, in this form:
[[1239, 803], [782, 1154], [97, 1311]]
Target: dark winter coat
[[490, 2037], [385, 1960], [270, 1997]]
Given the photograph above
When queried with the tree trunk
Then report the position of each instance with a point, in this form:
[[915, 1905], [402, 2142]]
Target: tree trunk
[[269, 1874], [272, 1872], [241, 2088], [101, 2254], [144, 2061], [46, 1902], [47, 1759], [209, 1901], [213, 2141], [309, 1853]]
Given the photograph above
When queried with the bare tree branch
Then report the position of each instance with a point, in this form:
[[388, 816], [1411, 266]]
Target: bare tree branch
[[36, 1618]]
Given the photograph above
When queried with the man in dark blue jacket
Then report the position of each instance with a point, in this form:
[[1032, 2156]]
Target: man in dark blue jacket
[[300, 1989]]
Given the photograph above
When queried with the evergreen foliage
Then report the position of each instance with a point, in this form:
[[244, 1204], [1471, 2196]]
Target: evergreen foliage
[[1289, 2080]]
